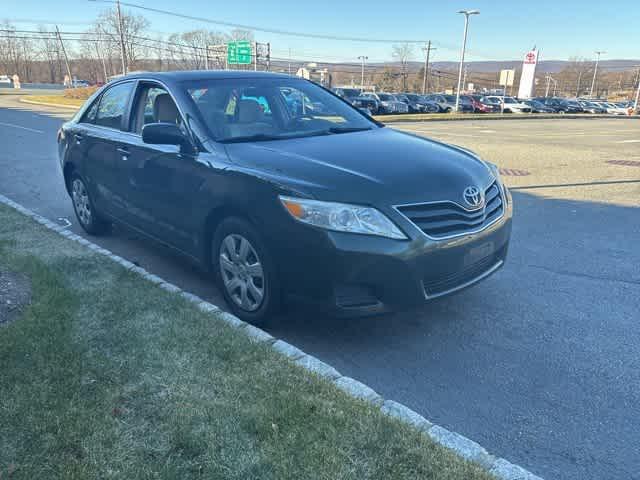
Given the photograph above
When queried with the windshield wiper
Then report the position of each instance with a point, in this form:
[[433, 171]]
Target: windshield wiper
[[250, 138], [260, 137], [348, 129]]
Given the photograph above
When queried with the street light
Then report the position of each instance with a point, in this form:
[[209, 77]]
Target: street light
[[466, 14], [595, 71], [364, 59]]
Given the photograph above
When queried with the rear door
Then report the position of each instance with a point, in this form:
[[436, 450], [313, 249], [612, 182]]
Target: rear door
[[100, 142]]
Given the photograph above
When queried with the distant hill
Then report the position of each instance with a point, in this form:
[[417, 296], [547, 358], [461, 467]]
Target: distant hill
[[547, 66]]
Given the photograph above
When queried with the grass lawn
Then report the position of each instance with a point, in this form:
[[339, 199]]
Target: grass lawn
[[108, 376], [55, 100]]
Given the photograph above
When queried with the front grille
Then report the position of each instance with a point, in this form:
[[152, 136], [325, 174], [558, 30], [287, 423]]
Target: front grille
[[446, 219], [453, 281]]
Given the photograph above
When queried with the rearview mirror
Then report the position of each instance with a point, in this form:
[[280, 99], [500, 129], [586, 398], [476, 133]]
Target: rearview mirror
[[164, 134]]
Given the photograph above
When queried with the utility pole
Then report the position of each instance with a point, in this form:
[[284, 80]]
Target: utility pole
[[464, 78], [364, 59], [64, 52], [425, 77], [466, 14], [595, 71], [123, 50], [289, 61], [206, 57]]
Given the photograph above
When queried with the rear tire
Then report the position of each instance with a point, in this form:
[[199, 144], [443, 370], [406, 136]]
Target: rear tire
[[89, 219], [245, 271]]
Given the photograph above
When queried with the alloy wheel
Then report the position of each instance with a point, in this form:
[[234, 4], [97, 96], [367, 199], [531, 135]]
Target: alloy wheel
[[242, 272]]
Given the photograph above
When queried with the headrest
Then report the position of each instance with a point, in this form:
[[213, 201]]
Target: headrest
[[249, 111], [164, 109]]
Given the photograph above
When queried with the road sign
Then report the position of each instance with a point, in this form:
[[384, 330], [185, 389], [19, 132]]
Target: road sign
[[506, 77], [239, 53]]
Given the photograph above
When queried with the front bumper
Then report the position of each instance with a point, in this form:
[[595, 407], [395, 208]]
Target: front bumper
[[355, 275]]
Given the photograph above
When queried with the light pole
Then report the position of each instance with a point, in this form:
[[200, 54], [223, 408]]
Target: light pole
[[466, 14], [595, 72], [635, 105], [364, 59]]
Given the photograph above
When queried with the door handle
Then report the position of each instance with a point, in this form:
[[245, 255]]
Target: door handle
[[124, 153]]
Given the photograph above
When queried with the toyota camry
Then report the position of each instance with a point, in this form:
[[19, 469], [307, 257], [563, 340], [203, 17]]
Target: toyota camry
[[284, 191]]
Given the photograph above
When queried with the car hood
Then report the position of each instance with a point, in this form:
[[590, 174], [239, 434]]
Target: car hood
[[376, 167]]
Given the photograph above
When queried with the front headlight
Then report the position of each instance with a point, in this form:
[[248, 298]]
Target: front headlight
[[342, 217]]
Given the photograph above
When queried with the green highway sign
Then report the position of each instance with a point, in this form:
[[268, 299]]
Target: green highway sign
[[239, 53]]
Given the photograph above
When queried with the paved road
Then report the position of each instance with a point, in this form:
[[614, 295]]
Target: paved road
[[540, 363]]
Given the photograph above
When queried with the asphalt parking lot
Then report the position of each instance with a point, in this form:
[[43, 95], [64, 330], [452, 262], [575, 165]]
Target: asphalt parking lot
[[540, 363]]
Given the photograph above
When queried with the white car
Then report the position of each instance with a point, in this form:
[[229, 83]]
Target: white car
[[616, 108], [511, 105], [5, 79]]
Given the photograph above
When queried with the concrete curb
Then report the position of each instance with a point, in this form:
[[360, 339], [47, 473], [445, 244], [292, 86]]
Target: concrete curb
[[462, 446], [48, 104]]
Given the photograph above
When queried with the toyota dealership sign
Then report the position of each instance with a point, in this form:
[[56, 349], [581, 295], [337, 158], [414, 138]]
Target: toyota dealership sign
[[527, 80]]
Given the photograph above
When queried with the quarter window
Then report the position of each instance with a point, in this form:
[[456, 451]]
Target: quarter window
[[113, 105]]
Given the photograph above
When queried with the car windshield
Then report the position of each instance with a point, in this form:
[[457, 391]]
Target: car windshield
[[492, 100], [450, 98], [413, 97], [510, 100], [249, 109], [385, 97]]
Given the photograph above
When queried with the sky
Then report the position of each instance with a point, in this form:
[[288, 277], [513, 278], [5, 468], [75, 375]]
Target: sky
[[504, 30]]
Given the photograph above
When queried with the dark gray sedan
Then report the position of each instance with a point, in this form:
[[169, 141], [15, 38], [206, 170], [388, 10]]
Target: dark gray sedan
[[283, 191]]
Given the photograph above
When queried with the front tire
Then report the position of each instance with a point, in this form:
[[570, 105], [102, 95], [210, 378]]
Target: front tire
[[245, 271], [89, 219]]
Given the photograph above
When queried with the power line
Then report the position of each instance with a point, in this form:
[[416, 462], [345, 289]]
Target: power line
[[263, 29]]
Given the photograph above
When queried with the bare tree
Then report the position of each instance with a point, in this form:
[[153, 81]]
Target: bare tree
[[134, 28], [402, 53], [49, 50], [190, 49]]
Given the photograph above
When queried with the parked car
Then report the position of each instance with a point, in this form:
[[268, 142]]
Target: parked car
[[539, 107], [5, 79], [509, 104], [75, 83], [591, 107], [429, 106], [367, 104], [413, 106], [416, 103], [480, 105], [616, 109], [562, 105], [387, 103], [447, 103], [281, 203], [347, 93]]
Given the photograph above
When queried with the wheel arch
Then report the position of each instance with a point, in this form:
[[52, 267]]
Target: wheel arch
[[67, 172], [211, 222]]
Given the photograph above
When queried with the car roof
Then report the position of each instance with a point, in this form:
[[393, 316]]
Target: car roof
[[185, 75]]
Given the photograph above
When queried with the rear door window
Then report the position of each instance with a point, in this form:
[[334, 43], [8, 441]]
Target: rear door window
[[113, 106]]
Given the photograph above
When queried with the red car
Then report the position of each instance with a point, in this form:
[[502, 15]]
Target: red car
[[481, 107]]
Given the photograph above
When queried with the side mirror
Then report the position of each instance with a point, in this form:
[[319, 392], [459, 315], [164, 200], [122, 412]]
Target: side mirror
[[165, 134]]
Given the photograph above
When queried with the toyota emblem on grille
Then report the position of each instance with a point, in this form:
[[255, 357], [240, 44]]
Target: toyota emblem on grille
[[473, 196]]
